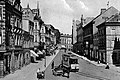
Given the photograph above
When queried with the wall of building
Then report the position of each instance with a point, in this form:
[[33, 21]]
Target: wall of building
[[112, 32], [25, 24]]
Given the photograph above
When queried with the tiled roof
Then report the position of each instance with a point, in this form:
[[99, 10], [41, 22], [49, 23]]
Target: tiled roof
[[101, 17], [105, 15]]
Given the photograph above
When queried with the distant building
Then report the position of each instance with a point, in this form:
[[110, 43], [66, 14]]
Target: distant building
[[78, 46], [48, 36], [66, 40], [37, 26], [76, 23], [88, 39]]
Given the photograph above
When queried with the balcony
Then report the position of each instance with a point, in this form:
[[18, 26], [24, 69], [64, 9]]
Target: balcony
[[17, 30]]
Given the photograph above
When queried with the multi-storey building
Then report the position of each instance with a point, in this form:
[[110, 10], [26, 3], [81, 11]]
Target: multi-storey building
[[48, 36], [79, 45], [76, 23], [37, 26], [101, 36], [52, 35], [28, 27], [88, 39], [108, 35], [10, 36], [66, 40], [103, 55]]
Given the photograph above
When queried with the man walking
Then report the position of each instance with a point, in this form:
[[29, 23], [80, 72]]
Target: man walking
[[52, 65]]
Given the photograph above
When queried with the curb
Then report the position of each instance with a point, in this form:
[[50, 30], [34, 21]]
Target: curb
[[51, 61], [111, 67], [82, 57]]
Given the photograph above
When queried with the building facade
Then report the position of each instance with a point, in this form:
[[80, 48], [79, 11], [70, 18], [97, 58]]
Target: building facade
[[88, 39], [48, 36], [104, 15], [101, 37], [66, 40], [109, 34], [28, 35], [37, 26], [11, 36], [76, 23]]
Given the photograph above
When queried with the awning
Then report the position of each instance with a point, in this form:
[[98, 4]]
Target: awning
[[39, 52], [33, 53]]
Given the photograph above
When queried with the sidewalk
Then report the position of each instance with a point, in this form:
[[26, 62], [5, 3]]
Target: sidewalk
[[29, 72], [112, 67]]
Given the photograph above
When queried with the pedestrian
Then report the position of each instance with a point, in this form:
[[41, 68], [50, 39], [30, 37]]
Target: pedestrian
[[52, 65], [44, 53], [98, 61], [107, 66]]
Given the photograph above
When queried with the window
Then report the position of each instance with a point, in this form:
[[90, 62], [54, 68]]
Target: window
[[35, 38], [42, 30], [0, 12], [42, 40], [35, 25]]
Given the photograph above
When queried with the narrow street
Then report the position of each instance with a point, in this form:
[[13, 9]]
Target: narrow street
[[73, 76], [87, 71]]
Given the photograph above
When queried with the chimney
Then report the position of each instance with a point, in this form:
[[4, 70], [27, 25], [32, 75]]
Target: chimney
[[103, 10]]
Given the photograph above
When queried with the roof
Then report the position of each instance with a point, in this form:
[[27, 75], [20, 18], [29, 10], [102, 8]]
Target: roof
[[105, 15], [101, 17]]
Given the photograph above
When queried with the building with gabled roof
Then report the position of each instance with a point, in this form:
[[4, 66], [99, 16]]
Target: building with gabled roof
[[108, 31], [95, 35]]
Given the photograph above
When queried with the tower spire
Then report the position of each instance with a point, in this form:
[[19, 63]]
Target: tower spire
[[38, 8], [82, 19], [28, 5], [37, 4]]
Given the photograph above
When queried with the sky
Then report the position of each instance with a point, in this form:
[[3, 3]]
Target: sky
[[60, 13]]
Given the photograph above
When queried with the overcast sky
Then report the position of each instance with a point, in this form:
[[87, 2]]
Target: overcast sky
[[60, 13]]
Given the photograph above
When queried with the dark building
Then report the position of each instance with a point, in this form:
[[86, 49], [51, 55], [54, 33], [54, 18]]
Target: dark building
[[10, 36], [88, 39]]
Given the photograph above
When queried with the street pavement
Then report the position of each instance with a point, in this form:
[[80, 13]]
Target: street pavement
[[98, 70], [73, 76], [88, 70], [29, 72]]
